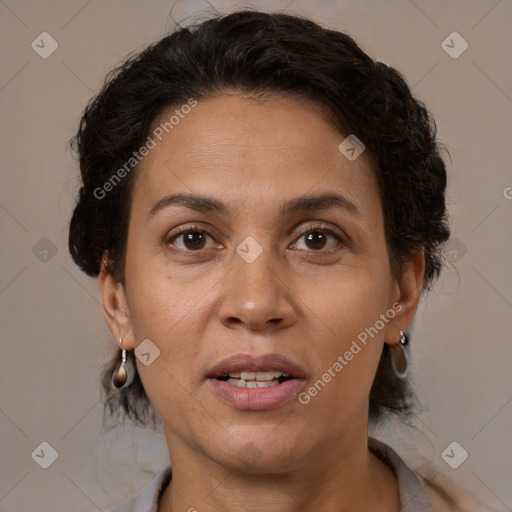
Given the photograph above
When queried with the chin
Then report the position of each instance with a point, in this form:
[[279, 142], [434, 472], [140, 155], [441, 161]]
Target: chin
[[261, 453]]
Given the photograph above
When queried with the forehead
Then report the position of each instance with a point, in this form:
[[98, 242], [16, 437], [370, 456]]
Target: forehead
[[250, 152]]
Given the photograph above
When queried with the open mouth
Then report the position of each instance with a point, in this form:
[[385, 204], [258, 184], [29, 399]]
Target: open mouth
[[261, 379], [256, 382]]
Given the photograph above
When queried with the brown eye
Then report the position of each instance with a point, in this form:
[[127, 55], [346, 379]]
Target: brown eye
[[190, 240], [319, 239], [194, 240], [315, 240]]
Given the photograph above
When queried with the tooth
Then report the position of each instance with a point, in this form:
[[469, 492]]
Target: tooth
[[277, 374], [247, 375], [240, 383], [236, 382], [235, 375], [267, 383], [265, 376]]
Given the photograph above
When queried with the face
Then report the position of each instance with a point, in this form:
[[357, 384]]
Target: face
[[255, 245]]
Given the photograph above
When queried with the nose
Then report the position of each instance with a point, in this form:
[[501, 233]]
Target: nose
[[256, 296]]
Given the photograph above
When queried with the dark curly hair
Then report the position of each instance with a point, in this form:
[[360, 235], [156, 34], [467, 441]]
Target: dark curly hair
[[262, 54]]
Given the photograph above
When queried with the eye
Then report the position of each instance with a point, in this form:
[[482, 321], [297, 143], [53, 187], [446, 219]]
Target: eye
[[314, 238], [190, 238], [319, 238]]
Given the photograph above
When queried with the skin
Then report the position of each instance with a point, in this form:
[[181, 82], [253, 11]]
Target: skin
[[301, 299]]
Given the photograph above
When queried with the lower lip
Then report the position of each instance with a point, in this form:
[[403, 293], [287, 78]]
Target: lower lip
[[257, 399]]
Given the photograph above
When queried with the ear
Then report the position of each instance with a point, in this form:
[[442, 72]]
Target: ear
[[115, 306], [409, 288]]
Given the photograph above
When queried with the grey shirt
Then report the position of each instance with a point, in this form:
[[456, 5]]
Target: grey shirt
[[412, 495]]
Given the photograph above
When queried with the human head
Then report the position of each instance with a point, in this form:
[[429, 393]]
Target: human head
[[262, 55]]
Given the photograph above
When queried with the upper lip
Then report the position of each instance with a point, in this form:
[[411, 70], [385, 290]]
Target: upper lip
[[252, 363]]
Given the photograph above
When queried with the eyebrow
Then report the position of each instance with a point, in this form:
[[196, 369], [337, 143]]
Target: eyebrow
[[298, 204], [192, 201]]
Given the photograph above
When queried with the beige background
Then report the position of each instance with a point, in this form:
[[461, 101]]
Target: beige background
[[53, 337]]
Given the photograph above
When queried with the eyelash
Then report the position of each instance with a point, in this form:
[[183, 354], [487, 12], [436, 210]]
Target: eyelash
[[316, 227]]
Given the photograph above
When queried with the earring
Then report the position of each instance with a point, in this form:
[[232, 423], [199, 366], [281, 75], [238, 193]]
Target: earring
[[120, 375], [399, 357]]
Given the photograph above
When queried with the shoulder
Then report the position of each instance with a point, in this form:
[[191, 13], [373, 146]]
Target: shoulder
[[459, 499], [438, 497], [147, 499]]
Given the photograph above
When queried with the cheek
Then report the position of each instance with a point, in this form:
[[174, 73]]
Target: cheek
[[166, 314], [348, 302], [158, 301], [168, 320], [349, 339]]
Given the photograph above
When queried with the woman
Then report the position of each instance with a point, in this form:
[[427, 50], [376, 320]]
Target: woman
[[264, 205]]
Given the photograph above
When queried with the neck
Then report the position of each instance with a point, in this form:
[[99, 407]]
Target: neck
[[349, 477]]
